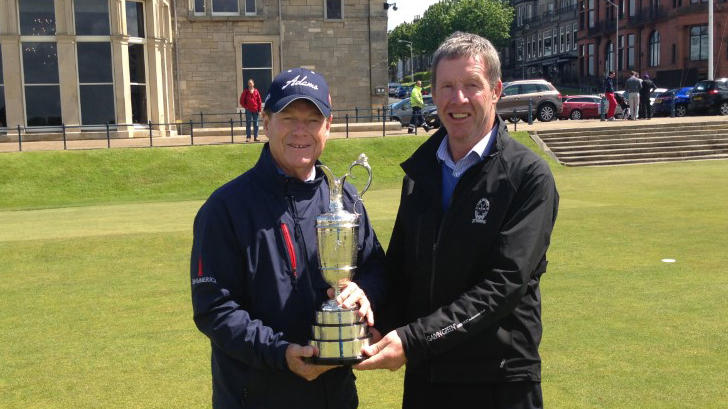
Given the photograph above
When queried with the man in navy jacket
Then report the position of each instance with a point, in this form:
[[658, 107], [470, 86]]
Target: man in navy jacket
[[255, 273]]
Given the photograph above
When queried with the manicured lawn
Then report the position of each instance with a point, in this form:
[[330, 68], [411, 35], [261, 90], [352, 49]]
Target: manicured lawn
[[95, 308]]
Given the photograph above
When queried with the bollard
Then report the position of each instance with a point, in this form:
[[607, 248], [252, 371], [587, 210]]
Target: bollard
[[347, 125], [108, 136], [192, 133], [232, 138], [672, 107], [63, 127], [202, 120], [602, 103], [150, 133], [515, 120], [384, 123], [356, 114], [240, 114], [530, 111], [378, 114], [20, 140]]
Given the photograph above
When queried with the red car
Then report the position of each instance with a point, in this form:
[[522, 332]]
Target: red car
[[581, 107]]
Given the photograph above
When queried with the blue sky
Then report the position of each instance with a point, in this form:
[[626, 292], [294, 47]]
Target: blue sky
[[406, 11]]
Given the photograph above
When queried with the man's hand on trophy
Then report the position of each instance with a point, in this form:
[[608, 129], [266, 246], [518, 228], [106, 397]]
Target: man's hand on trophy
[[350, 297], [385, 354], [294, 358]]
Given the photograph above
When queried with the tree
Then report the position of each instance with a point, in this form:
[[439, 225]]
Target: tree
[[433, 27], [399, 51], [491, 19]]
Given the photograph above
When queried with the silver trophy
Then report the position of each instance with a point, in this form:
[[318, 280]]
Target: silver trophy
[[339, 333]]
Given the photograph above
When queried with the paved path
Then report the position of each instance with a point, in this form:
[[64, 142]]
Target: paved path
[[239, 138]]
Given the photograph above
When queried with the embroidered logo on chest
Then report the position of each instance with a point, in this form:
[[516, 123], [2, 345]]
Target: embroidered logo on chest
[[481, 211]]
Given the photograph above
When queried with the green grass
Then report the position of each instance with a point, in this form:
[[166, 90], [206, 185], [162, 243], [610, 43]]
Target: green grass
[[95, 307]]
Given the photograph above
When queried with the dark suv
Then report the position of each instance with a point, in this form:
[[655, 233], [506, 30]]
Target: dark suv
[[545, 98], [710, 95]]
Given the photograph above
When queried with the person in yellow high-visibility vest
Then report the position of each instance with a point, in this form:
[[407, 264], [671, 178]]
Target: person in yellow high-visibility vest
[[417, 104]]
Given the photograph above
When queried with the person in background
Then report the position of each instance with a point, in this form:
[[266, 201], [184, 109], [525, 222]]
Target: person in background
[[633, 85], [468, 250], [250, 100], [609, 93], [647, 87], [417, 104]]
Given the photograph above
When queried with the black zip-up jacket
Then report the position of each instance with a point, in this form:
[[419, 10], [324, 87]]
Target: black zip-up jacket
[[256, 283], [466, 282]]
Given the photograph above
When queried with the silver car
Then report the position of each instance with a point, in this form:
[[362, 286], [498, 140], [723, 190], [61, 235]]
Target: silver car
[[402, 111], [546, 104]]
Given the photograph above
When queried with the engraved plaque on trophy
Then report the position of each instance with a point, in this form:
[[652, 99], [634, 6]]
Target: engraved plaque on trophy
[[338, 333]]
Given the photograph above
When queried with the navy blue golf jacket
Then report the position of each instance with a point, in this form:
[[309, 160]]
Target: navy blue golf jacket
[[256, 284]]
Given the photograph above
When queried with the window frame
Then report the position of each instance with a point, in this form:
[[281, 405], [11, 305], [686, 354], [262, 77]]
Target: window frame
[[255, 8], [326, 11], [223, 13], [653, 48], [193, 7], [143, 42]]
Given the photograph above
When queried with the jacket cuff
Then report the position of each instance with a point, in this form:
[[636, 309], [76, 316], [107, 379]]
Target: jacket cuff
[[280, 357], [415, 348]]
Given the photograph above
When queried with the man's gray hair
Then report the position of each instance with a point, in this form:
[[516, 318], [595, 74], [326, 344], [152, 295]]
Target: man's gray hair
[[461, 44]]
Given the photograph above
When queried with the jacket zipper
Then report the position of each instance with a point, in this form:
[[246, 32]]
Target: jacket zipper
[[289, 247]]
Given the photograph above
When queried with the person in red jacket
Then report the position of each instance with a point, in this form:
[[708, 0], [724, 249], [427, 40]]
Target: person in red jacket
[[250, 100]]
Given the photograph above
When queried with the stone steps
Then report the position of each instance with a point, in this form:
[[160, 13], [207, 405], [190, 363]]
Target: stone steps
[[636, 143]]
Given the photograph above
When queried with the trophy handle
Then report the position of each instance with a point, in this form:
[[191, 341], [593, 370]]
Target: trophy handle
[[362, 161]]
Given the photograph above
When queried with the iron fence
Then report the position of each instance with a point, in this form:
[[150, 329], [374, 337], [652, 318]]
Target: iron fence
[[205, 129]]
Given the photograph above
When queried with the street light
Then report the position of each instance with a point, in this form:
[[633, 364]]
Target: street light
[[412, 61], [616, 45]]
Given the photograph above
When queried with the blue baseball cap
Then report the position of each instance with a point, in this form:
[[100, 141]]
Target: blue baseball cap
[[298, 83]]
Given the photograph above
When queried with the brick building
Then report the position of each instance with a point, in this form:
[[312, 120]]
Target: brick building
[[666, 38], [86, 63]]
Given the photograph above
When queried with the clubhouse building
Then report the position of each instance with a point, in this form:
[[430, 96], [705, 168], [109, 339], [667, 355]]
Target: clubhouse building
[[88, 63]]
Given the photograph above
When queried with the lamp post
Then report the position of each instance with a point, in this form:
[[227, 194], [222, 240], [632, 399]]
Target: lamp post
[[412, 61], [616, 43]]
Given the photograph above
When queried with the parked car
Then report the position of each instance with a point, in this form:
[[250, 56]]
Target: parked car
[[516, 95], [402, 111], [393, 88], [431, 117], [403, 91], [710, 96], [656, 93], [679, 96], [585, 107]]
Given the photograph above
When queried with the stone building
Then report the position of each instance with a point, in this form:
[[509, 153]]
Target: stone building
[[88, 63], [85, 62], [666, 38], [222, 43], [543, 41]]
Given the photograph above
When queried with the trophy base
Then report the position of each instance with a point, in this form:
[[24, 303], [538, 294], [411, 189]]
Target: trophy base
[[334, 361]]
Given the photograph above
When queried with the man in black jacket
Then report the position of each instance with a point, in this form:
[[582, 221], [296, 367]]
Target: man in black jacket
[[468, 249], [645, 105], [256, 280]]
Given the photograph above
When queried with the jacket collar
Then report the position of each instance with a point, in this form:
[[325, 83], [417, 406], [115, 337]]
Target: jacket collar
[[424, 168]]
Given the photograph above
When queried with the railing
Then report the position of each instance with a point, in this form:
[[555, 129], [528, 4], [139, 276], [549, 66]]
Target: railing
[[355, 115], [119, 133]]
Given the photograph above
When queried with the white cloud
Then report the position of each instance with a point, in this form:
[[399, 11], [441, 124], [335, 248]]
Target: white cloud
[[406, 11]]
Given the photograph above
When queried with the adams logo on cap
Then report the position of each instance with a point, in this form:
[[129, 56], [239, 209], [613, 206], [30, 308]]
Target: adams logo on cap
[[302, 82], [298, 83]]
